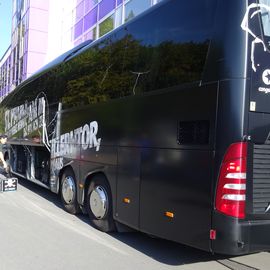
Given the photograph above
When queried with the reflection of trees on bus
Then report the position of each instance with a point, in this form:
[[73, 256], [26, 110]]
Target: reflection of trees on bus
[[111, 70], [2, 120]]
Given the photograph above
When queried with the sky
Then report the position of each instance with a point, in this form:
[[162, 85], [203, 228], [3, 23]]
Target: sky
[[5, 25]]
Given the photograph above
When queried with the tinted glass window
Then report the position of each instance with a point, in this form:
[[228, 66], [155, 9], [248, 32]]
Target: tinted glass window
[[172, 45], [165, 48], [23, 109]]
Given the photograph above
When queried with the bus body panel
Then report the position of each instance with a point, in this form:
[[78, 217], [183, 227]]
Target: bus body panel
[[258, 67], [240, 237], [232, 235], [181, 186], [154, 106], [166, 132], [128, 197]]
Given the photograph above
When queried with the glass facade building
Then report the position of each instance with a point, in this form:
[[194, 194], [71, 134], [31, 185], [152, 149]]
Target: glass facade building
[[44, 29], [5, 73], [28, 46], [95, 18], [29, 38]]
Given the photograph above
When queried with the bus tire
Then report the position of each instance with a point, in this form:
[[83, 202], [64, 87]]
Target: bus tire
[[68, 192], [99, 204]]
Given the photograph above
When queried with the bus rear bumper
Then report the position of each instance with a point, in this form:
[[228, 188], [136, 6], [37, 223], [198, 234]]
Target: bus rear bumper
[[259, 235], [237, 237]]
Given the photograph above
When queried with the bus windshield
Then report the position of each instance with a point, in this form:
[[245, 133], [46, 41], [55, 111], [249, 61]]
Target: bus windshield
[[265, 15]]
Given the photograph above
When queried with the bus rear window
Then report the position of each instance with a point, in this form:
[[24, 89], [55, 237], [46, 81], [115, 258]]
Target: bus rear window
[[265, 15]]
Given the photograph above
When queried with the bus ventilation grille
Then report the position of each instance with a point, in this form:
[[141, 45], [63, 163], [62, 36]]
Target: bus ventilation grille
[[261, 179]]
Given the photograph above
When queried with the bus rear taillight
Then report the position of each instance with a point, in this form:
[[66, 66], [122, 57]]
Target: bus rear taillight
[[231, 189]]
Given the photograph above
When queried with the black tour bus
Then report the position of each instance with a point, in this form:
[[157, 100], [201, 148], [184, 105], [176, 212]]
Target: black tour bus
[[162, 125]]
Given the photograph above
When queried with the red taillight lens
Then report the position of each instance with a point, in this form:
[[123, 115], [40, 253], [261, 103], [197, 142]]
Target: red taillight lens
[[231, 189]]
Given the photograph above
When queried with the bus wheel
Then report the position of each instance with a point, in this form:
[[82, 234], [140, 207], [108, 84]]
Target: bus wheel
[[68, 192], [99, 204]]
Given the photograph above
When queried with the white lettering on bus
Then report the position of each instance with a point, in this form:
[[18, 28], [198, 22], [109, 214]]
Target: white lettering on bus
[[26, 117], [264, 90], [57, 164], [86, 136], [252, 10]]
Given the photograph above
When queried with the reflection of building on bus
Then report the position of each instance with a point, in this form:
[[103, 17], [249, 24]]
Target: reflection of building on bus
[[180, 151], [42, 30]]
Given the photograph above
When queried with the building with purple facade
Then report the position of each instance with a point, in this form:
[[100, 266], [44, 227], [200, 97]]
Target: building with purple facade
[[5, 68], [95, 18], [44, 29], [29, 42]]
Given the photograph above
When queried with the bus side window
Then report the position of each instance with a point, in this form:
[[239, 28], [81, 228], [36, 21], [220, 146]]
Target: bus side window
[[172, 52]]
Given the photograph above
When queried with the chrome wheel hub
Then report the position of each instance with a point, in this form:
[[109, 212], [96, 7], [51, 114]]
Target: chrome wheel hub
[[99, 202], [68, 190]]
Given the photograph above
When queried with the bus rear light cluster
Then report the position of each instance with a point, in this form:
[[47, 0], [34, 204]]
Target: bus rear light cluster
[[231, 189]]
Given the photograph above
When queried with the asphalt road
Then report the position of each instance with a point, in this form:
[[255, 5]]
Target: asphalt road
[[36, 233]]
